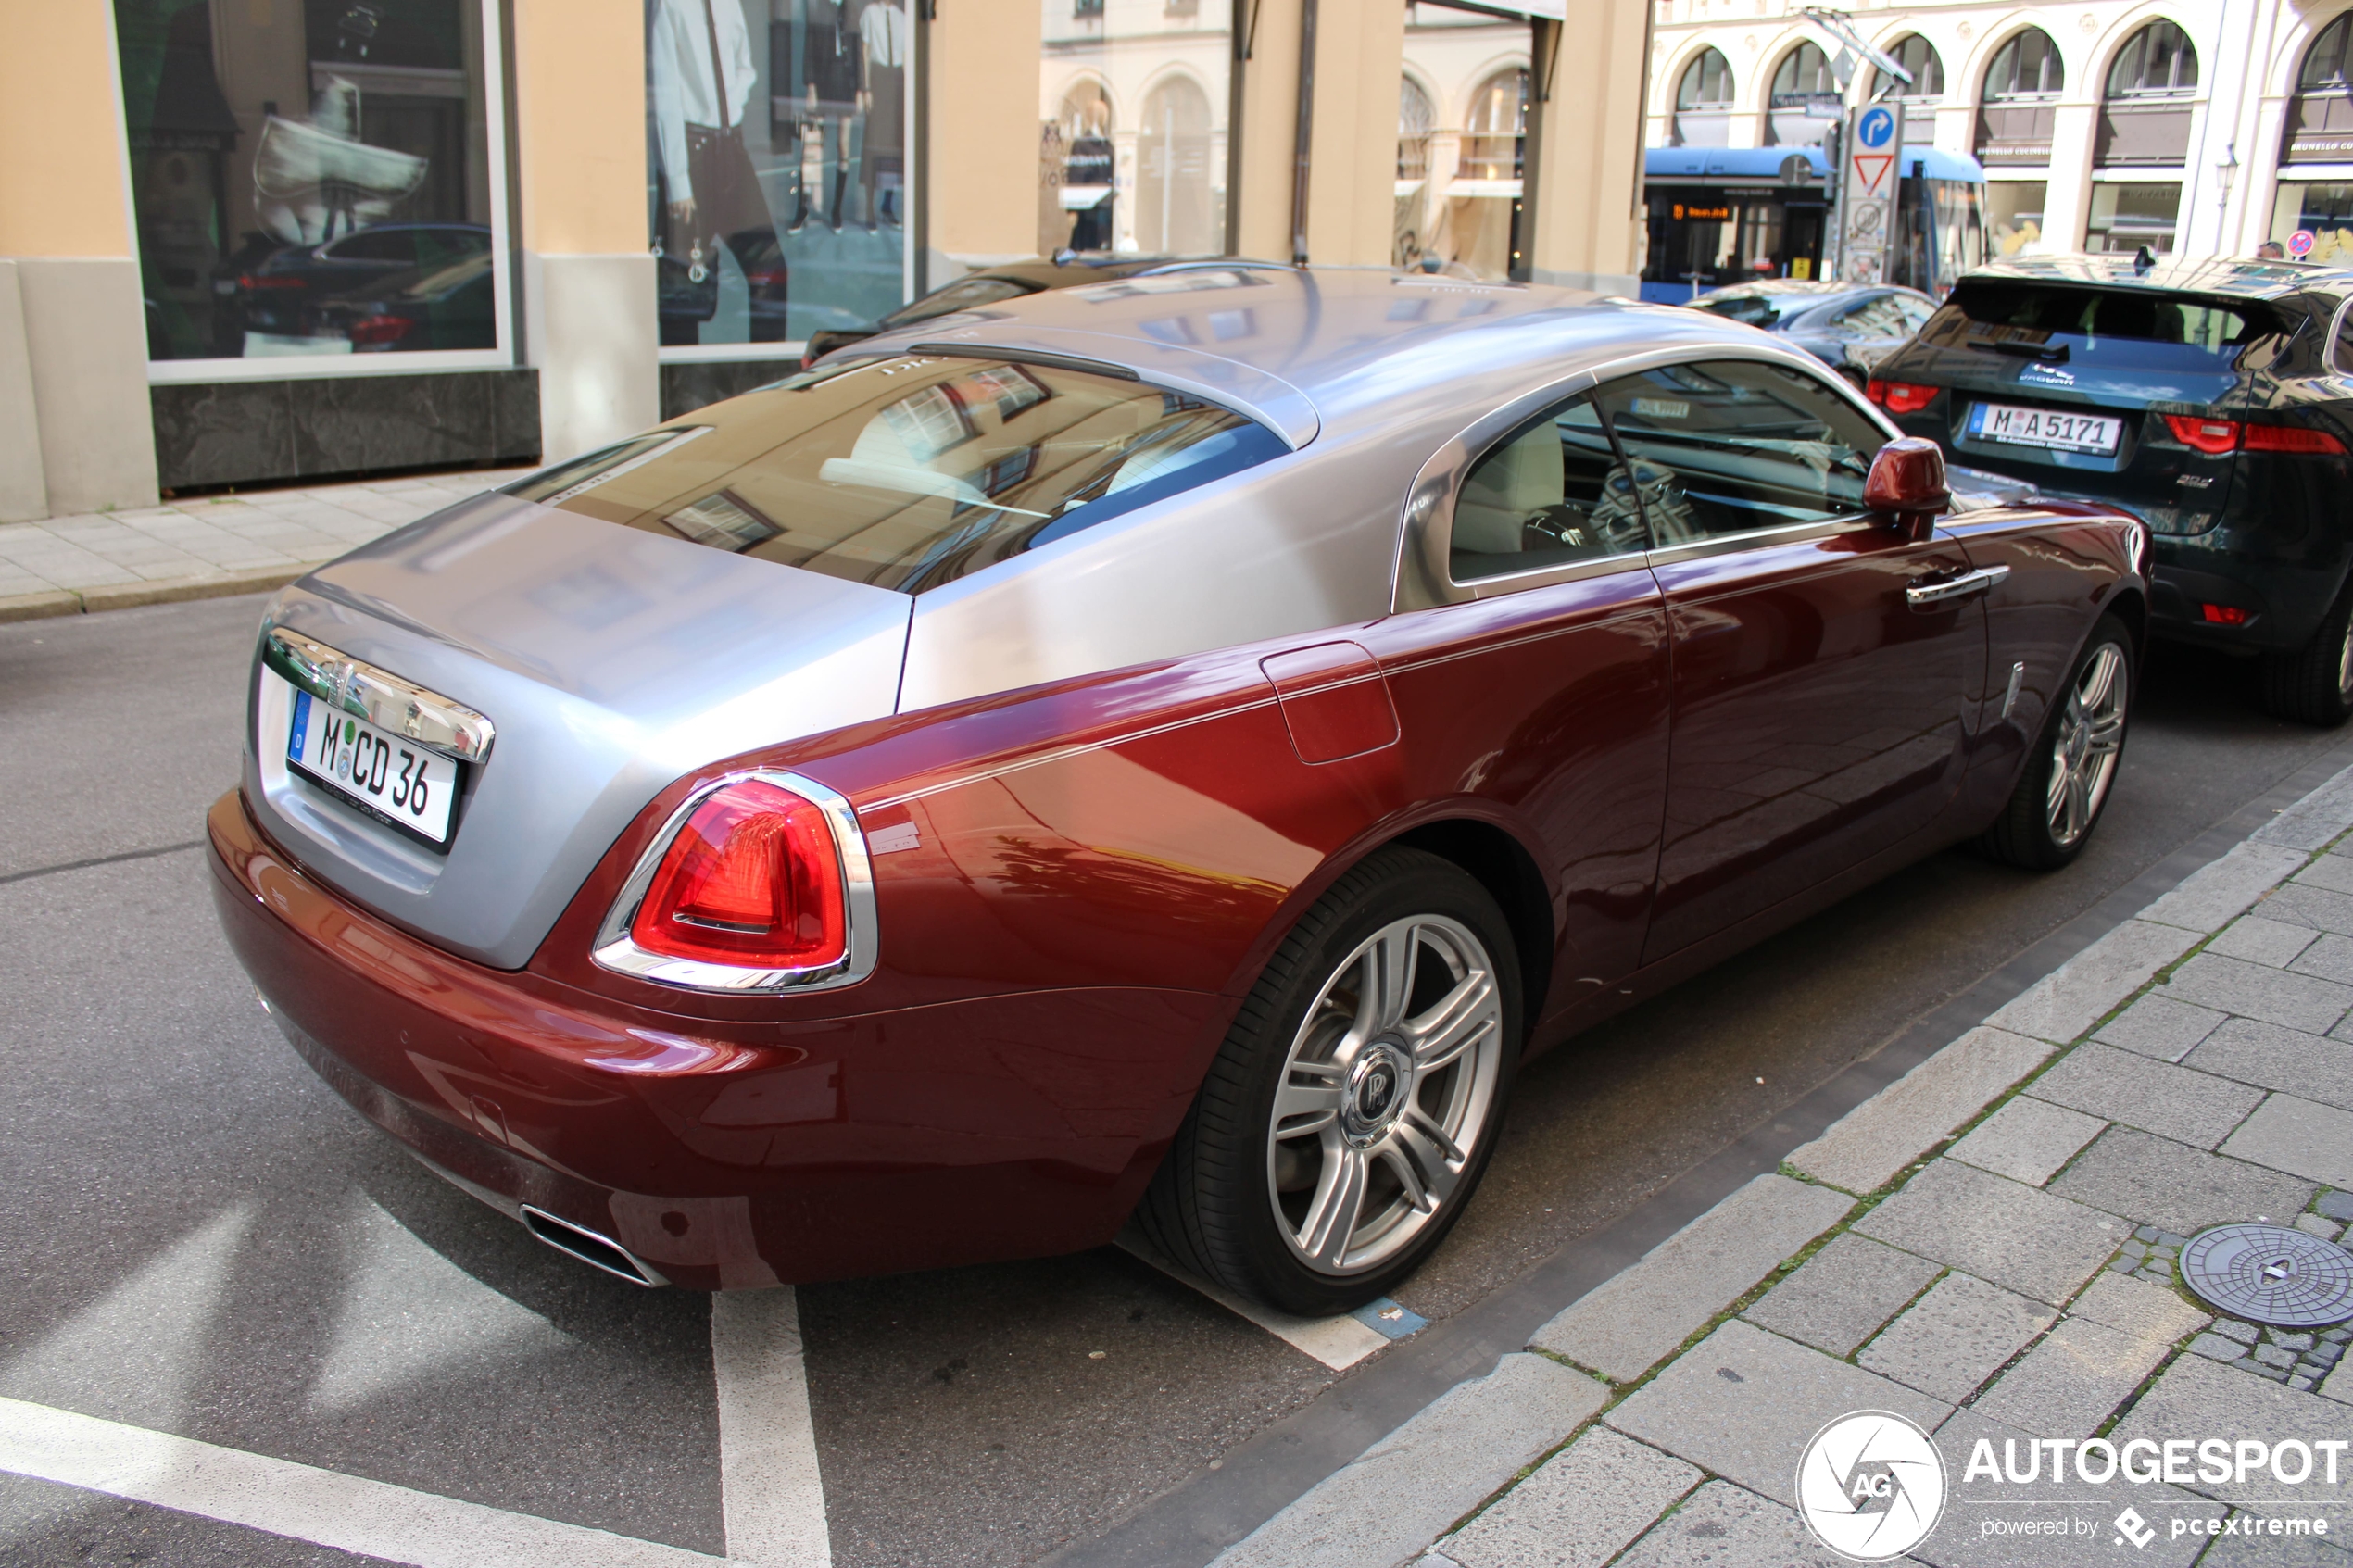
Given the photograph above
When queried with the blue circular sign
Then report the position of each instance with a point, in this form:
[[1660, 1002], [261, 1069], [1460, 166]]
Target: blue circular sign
[[1876, 129]]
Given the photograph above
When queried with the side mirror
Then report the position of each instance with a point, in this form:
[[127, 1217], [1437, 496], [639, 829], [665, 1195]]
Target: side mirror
[[1907, 484]]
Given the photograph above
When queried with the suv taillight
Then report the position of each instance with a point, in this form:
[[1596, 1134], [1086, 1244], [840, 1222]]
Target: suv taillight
[[759, 883], [1900, 397], [2218, 438]]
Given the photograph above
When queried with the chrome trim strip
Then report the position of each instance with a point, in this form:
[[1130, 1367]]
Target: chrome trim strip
[[1763, 538], [439, 724], [616, 951], [1983, 580]]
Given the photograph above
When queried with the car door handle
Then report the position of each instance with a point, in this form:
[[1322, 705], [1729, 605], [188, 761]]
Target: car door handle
[[1928, 591]]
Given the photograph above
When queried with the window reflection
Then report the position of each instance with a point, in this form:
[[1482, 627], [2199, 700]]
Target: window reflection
[[1132, 109], [1461, 123]]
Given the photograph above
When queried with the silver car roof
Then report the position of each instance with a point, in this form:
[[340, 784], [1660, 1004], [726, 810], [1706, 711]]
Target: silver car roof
[[1338, 350]]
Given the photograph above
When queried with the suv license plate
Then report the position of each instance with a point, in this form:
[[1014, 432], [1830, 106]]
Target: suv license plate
[[2096, 433], [385, 775]]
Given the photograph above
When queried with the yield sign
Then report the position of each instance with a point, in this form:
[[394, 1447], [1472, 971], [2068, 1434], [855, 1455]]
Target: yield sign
[[1871, 168]]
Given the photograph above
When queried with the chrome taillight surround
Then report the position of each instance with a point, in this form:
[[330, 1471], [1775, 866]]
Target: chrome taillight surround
[[617, 951]]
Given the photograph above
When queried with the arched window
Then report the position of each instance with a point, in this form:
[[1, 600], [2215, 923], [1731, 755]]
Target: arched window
[[2157, 61], [1176, 212], [1415, 120], [1805, 74], [1085, 122], [2026, 67], [1497, 127], [1917, 55], [1806, 99], [2325, 62], [1708, 84]]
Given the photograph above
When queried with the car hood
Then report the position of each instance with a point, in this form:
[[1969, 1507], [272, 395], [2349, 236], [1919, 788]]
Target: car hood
[[610, 662]]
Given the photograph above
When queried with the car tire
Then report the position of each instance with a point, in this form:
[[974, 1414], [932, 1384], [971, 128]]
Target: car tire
[[2314, 684], [2070, 770], [1256, 1197]]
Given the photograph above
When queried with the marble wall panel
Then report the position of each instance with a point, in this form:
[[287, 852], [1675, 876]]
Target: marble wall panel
[[235, 433]]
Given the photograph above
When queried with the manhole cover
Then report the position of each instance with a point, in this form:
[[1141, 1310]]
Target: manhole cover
[[2271, 1275]]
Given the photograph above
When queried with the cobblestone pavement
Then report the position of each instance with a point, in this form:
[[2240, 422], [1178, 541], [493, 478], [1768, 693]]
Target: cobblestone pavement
[[215, 545], [1987, 1248]]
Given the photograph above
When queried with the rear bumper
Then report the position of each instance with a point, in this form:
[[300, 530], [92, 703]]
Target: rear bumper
[[726, 1155], [2283, 602]]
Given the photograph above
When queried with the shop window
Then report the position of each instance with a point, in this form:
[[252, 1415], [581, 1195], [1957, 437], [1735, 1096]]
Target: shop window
[[1703, 102], [1136, 98], [2014, 215], [313, 180], [1417, 124], [2319, 117], [2019, 112], [2324, 210], [2125, 218], [1461, 149], [1805, 100]]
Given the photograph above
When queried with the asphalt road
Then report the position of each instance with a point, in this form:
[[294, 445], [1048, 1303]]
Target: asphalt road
[[201, 1239]]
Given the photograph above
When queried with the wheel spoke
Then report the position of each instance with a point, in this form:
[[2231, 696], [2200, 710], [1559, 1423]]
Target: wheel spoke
[[1461, 1019], [1308, 1101], [2108, 734], [1339, 1200], [2054, 797], [2091, 691], [2079, 802], [1435, 1173], [1385, 981]]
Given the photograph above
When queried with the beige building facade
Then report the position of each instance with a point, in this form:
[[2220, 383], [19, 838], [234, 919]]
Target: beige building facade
[[277, 240]]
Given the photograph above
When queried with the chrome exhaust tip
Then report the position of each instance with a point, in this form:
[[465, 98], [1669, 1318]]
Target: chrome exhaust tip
[[597, 1251]]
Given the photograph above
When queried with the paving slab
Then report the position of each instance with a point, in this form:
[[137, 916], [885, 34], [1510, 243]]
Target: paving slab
[[2338, 1386], [1842, 1294], [2333, 870], [2155, 1181], [1384, 1507], [2315, 907], [2027, 1140], [2268, 942], [2201, 1398], [2138, 1308], [2311, 1066], [2072, 1380], [2069, 1000], [2299, 1551], [1998, 1523], [1864, 1149], [1622, 1328], [2156, 1097], [2222, 887], [2160, 1027], [2330, 956], [1579, 1511], [1743, 1403], [1955, 1337], [2014, 1235], [1728, 1527], [2298, 1136], [2250, 990], [2314, 822]]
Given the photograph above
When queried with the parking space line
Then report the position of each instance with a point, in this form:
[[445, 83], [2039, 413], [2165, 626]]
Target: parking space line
[[323, 1507], [769, 1487], [1339, 1343]]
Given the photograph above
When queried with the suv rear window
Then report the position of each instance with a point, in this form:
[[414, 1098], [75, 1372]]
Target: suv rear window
[[2055, 321], [909, 470]]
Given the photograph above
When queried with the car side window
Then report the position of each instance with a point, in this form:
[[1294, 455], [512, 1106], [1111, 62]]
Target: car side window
[[1553, 493], [1728, 447]]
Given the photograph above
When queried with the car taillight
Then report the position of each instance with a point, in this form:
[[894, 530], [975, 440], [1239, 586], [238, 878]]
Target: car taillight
[[2223, 615], [380, 329], [2214, 437], [2293, 438], [752, 879], [1900, 397]]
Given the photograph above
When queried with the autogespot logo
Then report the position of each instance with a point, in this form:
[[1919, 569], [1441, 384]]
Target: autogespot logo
[[1871, 1486]]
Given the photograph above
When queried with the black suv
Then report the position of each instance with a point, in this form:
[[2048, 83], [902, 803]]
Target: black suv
[[2211, 397]]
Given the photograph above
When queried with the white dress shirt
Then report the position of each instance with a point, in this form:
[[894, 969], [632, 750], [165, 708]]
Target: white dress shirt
[[683, 92]]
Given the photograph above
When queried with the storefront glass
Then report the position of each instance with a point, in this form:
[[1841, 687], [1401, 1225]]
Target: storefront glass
[[776, 137], [2326, 211], [313, 177], [2014, 215], [1462, 135], [2125, 218], [1133, 101]]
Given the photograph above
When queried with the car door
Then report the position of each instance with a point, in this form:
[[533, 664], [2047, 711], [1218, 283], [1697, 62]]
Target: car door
[[1529, 666], [1818, 712]]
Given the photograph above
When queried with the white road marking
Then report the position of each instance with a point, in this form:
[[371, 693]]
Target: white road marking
[[769, 1484], [1339, 1343], [307, 1504]]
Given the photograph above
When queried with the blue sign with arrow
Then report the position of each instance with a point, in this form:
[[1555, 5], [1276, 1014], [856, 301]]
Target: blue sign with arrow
[[1876, 129]]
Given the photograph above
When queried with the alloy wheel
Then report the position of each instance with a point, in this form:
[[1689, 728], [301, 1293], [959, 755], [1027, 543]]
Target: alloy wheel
[[2091, 732], [1384, 1094]]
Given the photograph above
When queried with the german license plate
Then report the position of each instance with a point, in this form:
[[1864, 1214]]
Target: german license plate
[[385, 775], [2096, 433]]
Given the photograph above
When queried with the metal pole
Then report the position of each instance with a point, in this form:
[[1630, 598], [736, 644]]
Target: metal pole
[[1305, 133]]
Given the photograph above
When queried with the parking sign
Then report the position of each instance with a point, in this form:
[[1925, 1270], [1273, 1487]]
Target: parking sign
[[1868, 194]]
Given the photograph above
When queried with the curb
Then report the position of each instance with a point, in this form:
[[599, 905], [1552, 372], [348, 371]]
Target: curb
[[167, 590]]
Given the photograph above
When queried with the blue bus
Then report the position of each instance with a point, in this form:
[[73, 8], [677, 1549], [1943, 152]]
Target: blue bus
[[1732, 215]]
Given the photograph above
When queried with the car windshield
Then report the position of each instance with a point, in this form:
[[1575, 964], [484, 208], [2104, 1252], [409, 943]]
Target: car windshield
[[965, 294], [1755, 309], [910, 470], [2060, 322]]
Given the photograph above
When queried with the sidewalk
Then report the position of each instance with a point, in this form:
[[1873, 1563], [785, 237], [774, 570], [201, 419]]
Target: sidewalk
[[211, 546], [1986, 1248]]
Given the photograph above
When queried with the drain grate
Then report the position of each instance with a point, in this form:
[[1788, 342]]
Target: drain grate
[[2271, 1275]]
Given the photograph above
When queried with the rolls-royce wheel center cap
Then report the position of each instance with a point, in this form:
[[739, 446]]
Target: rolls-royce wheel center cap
[[1378, 1083]]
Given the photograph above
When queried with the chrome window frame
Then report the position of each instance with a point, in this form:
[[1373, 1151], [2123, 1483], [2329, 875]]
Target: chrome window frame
[[615, 950], [1424, 577]]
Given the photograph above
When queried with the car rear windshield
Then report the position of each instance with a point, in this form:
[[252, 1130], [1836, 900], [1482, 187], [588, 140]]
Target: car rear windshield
[[910, 470], [2052, 321], [1755, 309]]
